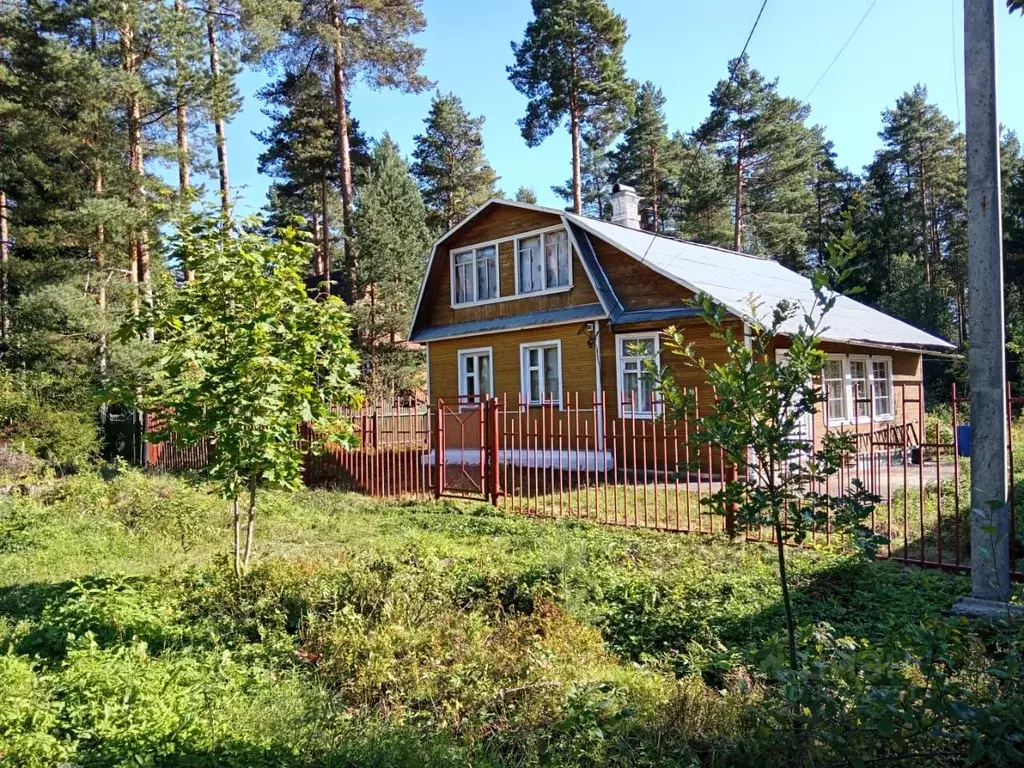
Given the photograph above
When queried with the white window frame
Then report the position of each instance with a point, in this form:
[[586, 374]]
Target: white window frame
[[475, 352], [475, 302], [869, 361], [524, 372], [620, 360], [541, 233]]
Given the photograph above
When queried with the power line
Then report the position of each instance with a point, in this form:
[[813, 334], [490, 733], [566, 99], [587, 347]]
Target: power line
[[956, 76], [732, 77], [836, 58]]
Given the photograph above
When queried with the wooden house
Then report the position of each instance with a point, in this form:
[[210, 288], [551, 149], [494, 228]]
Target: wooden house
[[554, 313]]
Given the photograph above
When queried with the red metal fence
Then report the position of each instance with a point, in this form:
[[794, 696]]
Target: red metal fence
[[581, 458]]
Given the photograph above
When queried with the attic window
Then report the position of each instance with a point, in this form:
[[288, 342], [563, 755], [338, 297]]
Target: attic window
[[475, 275], [542, 262]]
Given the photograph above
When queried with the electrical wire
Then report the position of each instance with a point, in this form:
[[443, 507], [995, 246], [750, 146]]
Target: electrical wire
[[840, 53], [956, 76], [732, 77]]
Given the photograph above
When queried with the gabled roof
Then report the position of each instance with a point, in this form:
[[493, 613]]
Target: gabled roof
[[730, 278]]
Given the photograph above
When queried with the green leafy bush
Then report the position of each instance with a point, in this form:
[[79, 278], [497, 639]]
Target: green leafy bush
[[21, 520], [65, 440]]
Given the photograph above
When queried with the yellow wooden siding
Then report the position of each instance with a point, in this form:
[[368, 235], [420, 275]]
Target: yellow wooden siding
[[578, 360]]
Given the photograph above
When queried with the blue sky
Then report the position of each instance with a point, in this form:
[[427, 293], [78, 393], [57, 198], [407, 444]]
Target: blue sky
[[683, 46]]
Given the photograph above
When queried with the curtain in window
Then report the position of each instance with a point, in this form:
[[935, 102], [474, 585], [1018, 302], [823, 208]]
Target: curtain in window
[[835, 389]]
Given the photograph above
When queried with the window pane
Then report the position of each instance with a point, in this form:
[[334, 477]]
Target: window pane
[[881, 391], [487, 273], [484, 363], [859, 382], [534, 385], [530, 277], [464, 283], [835, 388], [551, 372], [556, 258]]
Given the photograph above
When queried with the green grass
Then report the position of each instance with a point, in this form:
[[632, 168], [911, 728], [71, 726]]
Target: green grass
[[399, 633]]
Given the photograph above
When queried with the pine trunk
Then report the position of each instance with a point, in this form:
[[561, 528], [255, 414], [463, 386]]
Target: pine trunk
[[654, 190], [925, 246], [577, 185], [325, 241], [101, 287], [345, 161], [737, 240], [138, 242], [5, 327], [318, 250], [218, 115], [181, 123]]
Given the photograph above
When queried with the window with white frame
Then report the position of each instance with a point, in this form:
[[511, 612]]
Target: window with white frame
[[633, 352], [833, 380], [475, 378], [858, 388], [475, 275], [541, 366], [542, 262], [881, 387]]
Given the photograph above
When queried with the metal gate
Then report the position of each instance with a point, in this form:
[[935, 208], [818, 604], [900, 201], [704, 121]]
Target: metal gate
[[123, 432], [466, 458]]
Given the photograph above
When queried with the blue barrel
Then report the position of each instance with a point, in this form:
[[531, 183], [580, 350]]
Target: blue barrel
[[963, 440]]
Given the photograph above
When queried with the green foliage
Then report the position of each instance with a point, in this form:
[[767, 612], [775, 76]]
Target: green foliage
[[570, 66], [393, 239], [449, 163], [647, 159], [763, 138], [243, 356], [21, 522], [758, 422], [65, 440], [421, 633]]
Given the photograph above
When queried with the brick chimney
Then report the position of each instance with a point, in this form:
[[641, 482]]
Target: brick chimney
[[625, 206]]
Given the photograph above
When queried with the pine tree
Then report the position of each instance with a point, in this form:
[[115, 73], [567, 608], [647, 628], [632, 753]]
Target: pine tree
[[454, 176], [345, 41], [703, 206], [526, 195], [922, 152], [763, 137], [647, 159], [393, 239], [835, 193], [570, 66], [595, 178]]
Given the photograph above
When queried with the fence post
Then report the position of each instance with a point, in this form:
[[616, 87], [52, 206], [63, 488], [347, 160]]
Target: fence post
[[731, 508], [493, 476], [438, 440]]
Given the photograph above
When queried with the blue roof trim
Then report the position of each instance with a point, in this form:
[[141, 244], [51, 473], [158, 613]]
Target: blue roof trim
[[657, 314], [512, 322], [609, 299]]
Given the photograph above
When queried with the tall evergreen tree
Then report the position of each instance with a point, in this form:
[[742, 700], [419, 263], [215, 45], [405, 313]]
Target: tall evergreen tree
[[449, 163], [393, 237], [835, 193], [647, 159], [763, 137], [595, 178], [526, 195], [570, 66], [345, 41], [704, 202]]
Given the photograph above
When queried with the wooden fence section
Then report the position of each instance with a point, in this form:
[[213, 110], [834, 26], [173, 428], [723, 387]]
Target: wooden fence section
[[580, 458]]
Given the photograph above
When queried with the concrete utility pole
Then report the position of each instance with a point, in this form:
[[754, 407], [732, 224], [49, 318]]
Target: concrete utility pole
[[990, 529]]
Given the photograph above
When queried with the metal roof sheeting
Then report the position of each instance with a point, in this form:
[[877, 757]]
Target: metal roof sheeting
[[579, 314], [734, 279]]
